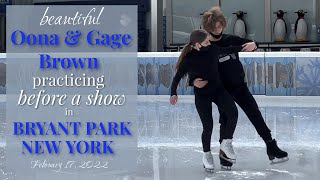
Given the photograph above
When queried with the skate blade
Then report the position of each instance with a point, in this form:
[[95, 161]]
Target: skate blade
[[233, 161], [226, 168], [208, 170], [280, 160]]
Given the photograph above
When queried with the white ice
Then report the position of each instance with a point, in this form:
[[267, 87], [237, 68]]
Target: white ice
[[169, 143], [169, 137]]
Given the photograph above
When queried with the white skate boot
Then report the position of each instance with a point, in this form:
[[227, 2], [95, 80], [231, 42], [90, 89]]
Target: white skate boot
[[208, 162], [227, 150]]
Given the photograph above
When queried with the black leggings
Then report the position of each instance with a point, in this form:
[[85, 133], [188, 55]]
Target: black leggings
[[243, 97], [204, 107]]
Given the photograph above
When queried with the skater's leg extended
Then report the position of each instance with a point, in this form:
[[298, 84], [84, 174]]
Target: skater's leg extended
[[226, 104], [204, 108], [243, 97], [248, 104]]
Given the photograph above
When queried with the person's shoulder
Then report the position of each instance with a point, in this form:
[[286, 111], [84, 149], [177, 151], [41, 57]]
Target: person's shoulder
[[213, 47], [228, 36], [190, 55]]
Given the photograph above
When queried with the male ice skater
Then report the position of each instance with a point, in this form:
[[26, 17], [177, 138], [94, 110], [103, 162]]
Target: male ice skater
[[232, 76]]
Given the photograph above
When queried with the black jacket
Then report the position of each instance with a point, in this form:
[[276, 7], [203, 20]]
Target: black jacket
[[202, 64], [230, 68]]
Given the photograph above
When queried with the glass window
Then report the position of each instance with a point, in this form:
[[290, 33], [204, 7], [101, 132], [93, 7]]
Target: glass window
[[254, 19], [186, 17], [292, 6]]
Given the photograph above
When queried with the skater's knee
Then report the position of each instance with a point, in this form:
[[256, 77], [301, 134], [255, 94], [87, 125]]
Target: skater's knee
[[233, 119], [230, 110], [222, 117]]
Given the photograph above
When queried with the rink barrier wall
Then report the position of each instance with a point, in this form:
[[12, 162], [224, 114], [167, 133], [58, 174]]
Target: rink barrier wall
[[267, 73]]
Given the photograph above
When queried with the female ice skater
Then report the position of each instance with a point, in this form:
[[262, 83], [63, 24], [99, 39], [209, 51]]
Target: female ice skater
[[199, 58], [232, 76]]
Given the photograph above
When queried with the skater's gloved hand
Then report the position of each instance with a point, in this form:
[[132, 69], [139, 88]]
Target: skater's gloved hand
[[250, 46], [199, 83], [173, 99]]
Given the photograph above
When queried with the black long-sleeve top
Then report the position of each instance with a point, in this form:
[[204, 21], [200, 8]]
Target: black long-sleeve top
[[230, 68], [203, 64]]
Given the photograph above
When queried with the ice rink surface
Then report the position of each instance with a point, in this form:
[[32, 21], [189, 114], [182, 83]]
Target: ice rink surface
[[169, 141]]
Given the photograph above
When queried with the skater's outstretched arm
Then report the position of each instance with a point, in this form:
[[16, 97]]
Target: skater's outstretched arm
[[238, 41], [216, 50]]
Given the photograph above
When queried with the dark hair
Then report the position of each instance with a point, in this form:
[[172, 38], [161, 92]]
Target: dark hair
[[211, 17], [196, 36]]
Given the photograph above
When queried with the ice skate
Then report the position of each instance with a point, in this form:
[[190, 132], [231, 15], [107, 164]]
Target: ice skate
[[208, 162], [226, 151], [275, 154], [225, 165]]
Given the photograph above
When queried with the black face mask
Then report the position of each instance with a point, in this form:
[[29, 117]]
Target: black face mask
[[216, 36]]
